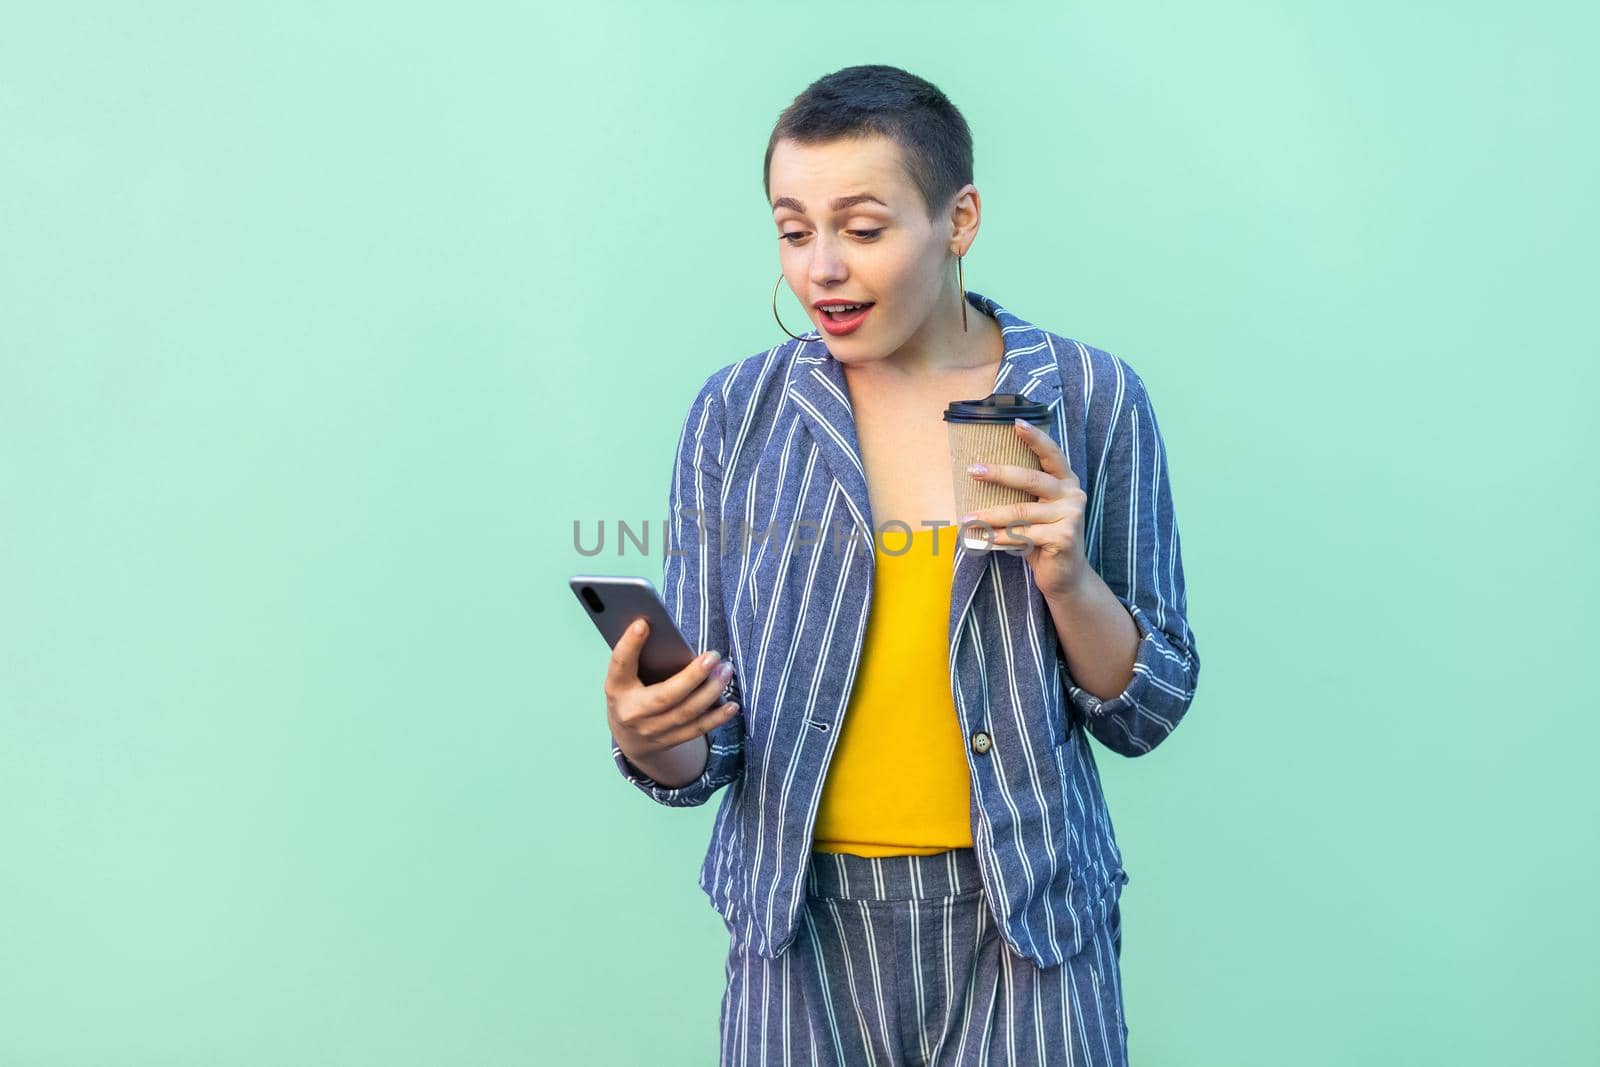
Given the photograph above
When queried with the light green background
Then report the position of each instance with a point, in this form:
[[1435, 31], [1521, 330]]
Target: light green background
[[320, 324]]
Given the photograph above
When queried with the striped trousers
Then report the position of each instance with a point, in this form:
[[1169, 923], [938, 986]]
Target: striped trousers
[[899, 962]]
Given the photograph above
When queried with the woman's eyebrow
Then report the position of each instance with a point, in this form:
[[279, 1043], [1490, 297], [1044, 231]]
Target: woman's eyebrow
[[838, 205]]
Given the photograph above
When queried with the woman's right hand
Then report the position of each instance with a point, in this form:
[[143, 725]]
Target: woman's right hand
[[650, 719]]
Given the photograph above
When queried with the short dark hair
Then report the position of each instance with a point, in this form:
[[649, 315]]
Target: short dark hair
[[934, 139]]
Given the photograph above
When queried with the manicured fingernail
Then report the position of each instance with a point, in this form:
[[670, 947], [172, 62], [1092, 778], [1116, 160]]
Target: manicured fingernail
[[1023, 423], [977, 468], [638, 626], [711, 658]]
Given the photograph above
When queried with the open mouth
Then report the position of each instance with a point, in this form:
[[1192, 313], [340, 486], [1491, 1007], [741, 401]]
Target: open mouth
[[846, 316]]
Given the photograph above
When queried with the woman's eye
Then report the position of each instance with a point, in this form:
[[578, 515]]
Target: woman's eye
[[868, 234]]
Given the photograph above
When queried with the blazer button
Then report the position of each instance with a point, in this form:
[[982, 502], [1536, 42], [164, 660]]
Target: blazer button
[[981, 742]]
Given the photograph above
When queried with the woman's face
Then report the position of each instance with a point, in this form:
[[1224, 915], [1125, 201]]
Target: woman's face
[[881, 251]]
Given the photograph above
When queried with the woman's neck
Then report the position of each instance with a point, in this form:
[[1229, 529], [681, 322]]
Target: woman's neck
[[955, 353]]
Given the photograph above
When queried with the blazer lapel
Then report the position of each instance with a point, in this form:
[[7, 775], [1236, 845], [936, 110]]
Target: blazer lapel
[[1029, 367], [818, 389]]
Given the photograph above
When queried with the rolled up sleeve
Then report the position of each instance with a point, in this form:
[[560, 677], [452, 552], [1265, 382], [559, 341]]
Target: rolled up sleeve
[[1135, 550], [691, 588]]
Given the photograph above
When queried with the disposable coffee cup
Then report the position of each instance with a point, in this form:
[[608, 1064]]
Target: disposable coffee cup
[[981, 432]]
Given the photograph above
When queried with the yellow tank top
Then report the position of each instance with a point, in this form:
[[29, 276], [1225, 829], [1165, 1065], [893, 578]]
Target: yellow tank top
[[898, 782]]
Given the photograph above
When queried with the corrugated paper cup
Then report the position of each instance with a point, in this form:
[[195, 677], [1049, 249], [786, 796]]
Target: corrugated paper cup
[[981, 432]]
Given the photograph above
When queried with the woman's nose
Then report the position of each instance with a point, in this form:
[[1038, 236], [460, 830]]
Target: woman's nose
[[826, 264]]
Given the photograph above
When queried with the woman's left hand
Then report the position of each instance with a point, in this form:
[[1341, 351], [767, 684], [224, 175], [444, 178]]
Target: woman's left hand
[[1053, 523]]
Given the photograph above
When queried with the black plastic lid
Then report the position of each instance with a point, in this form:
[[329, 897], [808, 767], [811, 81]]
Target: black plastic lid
[[997, 407]]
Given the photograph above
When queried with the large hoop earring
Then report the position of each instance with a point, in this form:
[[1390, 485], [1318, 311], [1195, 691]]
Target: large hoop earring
[[961, 288], [781, 326]]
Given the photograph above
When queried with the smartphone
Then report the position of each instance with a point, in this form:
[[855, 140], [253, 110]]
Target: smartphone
[[615, 601]]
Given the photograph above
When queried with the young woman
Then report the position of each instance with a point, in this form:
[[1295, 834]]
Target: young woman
[[913, 858]]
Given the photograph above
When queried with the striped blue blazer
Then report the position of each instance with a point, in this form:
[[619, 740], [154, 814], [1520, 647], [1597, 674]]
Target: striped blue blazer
[[769, 561]]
